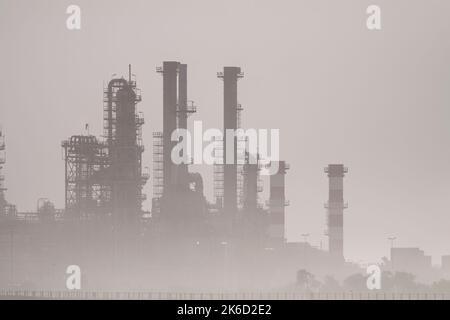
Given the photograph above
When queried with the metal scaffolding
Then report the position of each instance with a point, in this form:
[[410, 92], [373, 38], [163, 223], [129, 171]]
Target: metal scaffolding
[[7, 210], [218, 173], [158, 173], [106, 177], [110, 103], [86, 169]]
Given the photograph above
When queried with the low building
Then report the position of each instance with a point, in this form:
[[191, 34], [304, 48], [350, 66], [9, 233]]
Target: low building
[[412, 260]]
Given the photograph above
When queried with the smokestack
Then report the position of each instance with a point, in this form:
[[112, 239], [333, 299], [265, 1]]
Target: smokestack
[[183, 112], [230, 77], [170, 69], [182, 96], [129, 73], [335, 208]]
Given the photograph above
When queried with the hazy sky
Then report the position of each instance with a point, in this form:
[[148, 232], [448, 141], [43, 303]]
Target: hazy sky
[[377, 101]]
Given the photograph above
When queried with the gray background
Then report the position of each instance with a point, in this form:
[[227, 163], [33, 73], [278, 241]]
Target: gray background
[[377, 101]]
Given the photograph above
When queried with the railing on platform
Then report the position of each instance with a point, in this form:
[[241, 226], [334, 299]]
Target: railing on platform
[[90, 295]]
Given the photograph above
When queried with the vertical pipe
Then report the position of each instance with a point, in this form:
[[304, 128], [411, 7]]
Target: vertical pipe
[[129, 73], [170, 69], [182, 96], [66, 181], [182, 169]]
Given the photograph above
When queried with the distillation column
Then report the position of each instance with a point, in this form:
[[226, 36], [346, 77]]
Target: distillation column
[[123, 131]]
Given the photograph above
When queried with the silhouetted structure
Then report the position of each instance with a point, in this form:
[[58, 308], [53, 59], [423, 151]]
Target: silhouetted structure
[[106, 178], [87, 191], [6, 209], [185, 240], [125, 150], [277, 203], [252, 185], [445, 264], [231, 109], [2, 177], [335, 209], [411, 260], [186, 215]]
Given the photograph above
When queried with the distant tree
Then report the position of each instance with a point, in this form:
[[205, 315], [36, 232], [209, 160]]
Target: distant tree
[[387, 281], [442, 286], [355, 282], [385, 263], [404, 282], [330, 284], [306, 281]]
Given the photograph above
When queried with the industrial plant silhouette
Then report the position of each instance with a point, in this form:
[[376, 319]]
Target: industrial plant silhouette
[[185, 242]]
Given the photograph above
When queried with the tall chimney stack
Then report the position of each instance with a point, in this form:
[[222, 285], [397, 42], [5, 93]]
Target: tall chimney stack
[[335, 209]]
